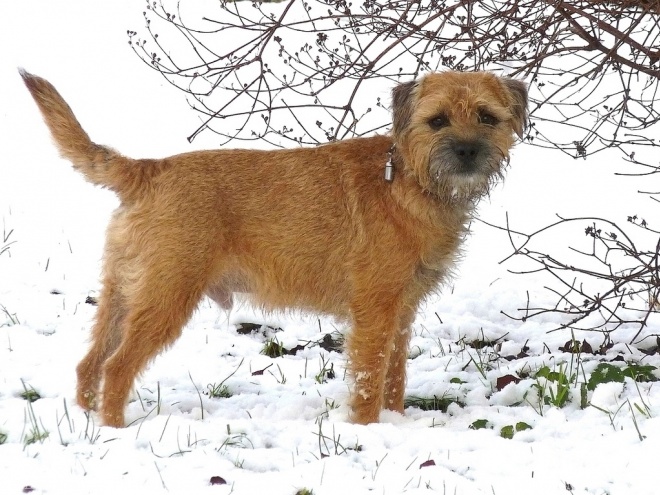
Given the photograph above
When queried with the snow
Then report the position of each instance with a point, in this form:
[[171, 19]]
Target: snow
[[285, 429]]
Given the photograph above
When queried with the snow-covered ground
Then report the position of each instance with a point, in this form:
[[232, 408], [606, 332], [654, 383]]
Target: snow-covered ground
[[285, 429]]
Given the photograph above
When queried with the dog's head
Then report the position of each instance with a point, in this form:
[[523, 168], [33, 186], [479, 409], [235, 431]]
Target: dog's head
[[454, 129]]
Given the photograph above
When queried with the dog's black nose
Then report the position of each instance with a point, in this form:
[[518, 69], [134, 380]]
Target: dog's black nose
[[467, 153]]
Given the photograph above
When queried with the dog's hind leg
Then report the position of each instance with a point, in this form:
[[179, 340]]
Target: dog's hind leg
[[106, 333], [159, 303]]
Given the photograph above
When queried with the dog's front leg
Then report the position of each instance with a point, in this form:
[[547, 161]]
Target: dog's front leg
[[370, 347], [395, 381]]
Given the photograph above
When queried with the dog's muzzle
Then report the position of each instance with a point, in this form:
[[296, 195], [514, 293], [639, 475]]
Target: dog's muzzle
[[467, 156], [461, 157]]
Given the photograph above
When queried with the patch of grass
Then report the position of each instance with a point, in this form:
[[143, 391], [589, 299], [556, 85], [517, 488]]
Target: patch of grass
[[326, 372], [434, 403], [6, 243], [92, 432], [272, 348], [556, 389], [415, 352], [60, 421], [487, 353], [332, 445], [36, 430], [613, 414], [12, 319], [281, 379], [220, 390], [553, 387], [330, 404], [29, 394], [236, 440], [305, 491], [3, 437]]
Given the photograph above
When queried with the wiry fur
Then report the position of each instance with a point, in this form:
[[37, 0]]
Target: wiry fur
[[311, 228]]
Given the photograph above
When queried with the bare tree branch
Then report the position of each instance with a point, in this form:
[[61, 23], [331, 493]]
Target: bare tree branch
[[254, 70]]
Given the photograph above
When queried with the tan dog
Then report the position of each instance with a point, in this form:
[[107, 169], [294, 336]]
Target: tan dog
[[320, 229]]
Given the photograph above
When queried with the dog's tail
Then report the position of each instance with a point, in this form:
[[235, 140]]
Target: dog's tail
[[99, 164]]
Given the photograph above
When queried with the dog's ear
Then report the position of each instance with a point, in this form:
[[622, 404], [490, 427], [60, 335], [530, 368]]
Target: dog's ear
[[402, 106], [518, 97]]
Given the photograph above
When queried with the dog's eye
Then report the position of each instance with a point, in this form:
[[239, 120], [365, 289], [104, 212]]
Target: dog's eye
[[438, 122], [488, 119]]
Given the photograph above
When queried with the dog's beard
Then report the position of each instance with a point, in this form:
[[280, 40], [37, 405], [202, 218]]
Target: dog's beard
[[455, 179]]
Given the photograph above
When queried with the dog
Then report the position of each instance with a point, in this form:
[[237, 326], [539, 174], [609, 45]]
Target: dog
[[363, 229]]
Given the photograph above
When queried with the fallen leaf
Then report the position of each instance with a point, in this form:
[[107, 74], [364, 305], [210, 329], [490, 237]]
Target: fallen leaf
[[217, 480], [503, 381]]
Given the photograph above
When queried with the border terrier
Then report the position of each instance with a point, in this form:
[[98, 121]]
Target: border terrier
[[362, 229]]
